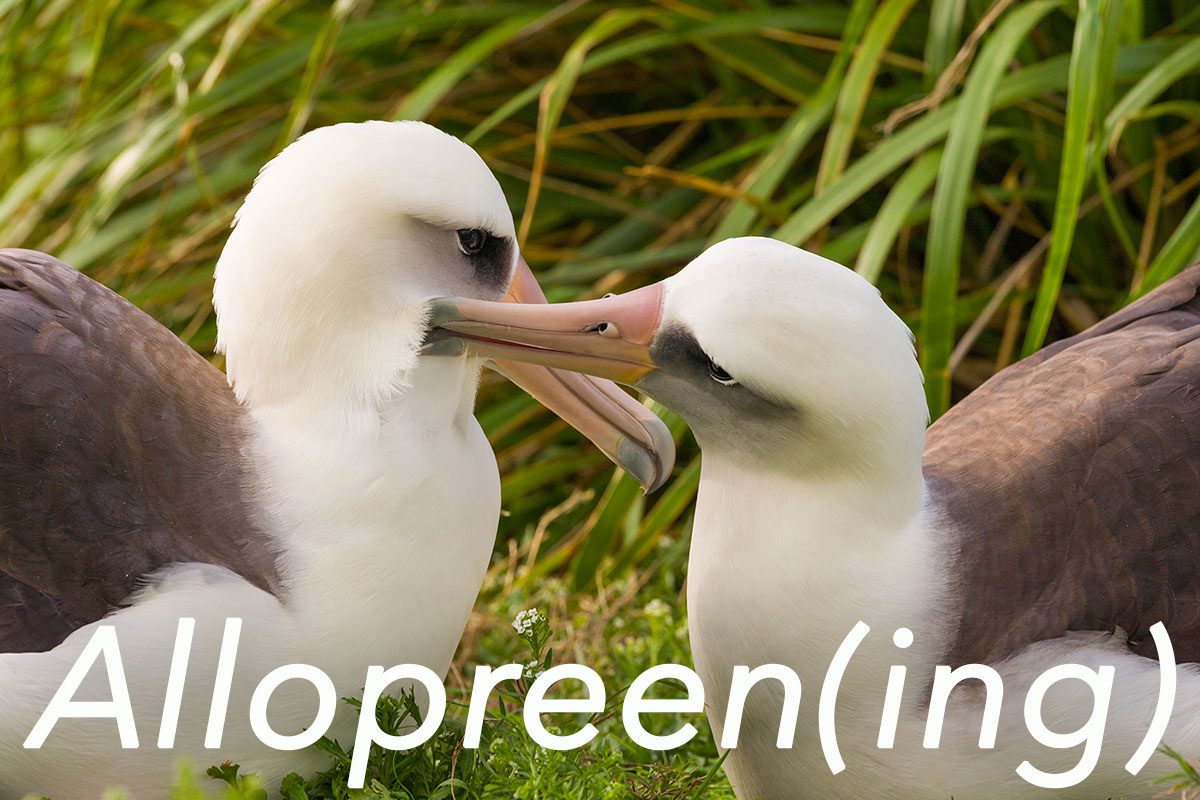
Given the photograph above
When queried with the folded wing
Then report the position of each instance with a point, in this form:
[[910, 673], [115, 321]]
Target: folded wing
[[1070, 483], [121, 452]]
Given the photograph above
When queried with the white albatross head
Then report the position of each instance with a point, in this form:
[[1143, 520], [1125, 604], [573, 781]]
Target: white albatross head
[[776, 357], [322, 292], [321, 289]]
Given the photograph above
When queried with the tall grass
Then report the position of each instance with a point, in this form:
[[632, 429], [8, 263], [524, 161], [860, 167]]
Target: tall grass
[[1006, 172]]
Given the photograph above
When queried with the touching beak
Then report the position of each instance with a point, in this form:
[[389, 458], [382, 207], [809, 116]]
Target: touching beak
[[624, 429], [607, 338]]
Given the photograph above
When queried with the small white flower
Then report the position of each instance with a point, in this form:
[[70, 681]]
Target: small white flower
[[657, 609], [526, 620]]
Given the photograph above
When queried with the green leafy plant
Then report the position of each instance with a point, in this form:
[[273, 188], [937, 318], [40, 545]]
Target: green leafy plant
[[1186, 782], [508, 763]]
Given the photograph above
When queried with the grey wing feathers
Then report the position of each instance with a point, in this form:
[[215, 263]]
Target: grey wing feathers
[[121, 451], [1071, 483]]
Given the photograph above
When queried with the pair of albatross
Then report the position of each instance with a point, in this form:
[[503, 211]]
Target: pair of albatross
[[1051, 517], [340, 499]]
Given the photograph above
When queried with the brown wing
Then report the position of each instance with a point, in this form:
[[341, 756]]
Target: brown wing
[[31, 621], [120, 453], [1073, 482]]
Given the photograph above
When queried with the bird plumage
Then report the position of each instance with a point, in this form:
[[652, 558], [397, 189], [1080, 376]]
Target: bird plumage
[[337, 494], [1073, 478], [93, 501], [1048, 519]]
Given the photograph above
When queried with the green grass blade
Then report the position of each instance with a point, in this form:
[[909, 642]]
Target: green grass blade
[[877, 164], [1086, 83], [940, 296], [856, 89], [764, 64], [1183, 61], [796, 132], [557, 93], [673, 504], [817, 19], [318, 63], [421, 100], [944, 37], [894, 214], [1180, 251], [603, 527]]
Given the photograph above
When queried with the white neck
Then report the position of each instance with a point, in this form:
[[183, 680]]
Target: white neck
[[782, 568], [385, 515], [824, 552]]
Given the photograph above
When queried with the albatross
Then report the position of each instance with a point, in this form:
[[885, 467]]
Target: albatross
[[334, 491], [1049, 518]]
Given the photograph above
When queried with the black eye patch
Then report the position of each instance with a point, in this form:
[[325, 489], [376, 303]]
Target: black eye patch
[[490, 256], [676, 352]]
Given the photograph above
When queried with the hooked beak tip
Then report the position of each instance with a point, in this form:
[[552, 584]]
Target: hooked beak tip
[[650, 466]]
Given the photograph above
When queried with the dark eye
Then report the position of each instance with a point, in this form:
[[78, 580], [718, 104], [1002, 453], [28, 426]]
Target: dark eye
[[718, 374], [472, 240]]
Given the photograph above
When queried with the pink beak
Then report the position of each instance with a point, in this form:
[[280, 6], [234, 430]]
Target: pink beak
[[624, 429]]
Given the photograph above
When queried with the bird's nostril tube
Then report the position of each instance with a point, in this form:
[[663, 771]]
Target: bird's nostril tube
[[605, 329]]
